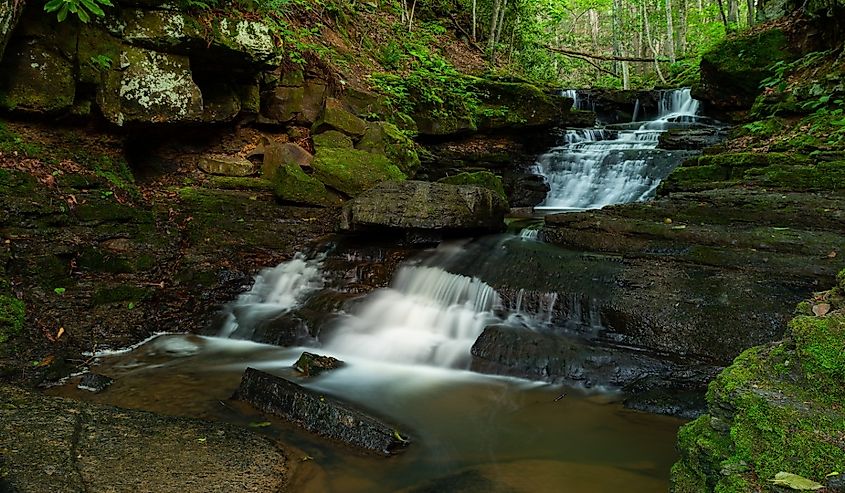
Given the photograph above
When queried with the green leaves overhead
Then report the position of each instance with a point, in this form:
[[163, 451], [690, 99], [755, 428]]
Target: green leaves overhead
[[82, 9]]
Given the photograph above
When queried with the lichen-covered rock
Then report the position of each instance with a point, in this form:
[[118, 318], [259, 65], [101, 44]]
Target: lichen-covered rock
[[278, 155], [10, 12], [418, 205], [335, 116], [385, 138], [332, 139], [484, 179], [36, 79], [291, 184], [145, 86], [352, 171], [226, 165]]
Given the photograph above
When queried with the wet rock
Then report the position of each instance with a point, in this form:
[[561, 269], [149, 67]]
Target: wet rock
[[278, 155], [94, 382], [226, 165], [319, 414], [528, 191], [484, 179], [690, 139], [351, 171], [310, 364], [145, 86], [52, 444], [35, 78], [335, 116], [435, 207]]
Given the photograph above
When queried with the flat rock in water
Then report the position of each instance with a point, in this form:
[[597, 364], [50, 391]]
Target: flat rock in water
[[319, 413], [226, 166], [94, 382]]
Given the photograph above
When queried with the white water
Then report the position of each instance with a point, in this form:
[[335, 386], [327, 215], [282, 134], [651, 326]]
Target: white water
[[597, 167], [428, 316], [277, 290]]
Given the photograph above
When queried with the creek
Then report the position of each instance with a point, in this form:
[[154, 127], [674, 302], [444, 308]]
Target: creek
[[407, 349]]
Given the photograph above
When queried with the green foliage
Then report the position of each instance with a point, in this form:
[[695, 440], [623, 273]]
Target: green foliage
[[12, 312], [101, 62], [83, 9]]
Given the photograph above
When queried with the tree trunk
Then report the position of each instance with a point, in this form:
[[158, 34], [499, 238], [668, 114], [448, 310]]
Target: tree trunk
[[502, 11], [750, 4], [682, 29], [10, 13], [733, 13], [617, 28], [491, 41], [474, 5], [724, 17], [670, 32], [651, 45]]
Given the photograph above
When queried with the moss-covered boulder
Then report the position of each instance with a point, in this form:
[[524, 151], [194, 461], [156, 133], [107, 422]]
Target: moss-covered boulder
[[513, 105], [12, 313], [150, 87], [335, 116], [384, 138], [425, 206], [292, 184], [484, 179], [332, 139], [776, 408], [36, 79], [278, 155], [351, 171], [294, 100], [732, 70]]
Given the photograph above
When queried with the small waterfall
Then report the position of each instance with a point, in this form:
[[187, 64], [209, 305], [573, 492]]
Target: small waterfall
[[571, 94], [597, 167], [529, 234], [428, 316], [636, 111], [277, 290]]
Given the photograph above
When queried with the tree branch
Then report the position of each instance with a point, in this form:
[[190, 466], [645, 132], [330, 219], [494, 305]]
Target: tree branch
[[607, 58]]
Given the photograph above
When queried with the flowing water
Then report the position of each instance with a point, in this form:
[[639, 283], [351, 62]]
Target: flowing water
[[602, 166], [407, 354]]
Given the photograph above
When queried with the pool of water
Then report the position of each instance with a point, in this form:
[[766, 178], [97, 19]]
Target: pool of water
[[470, 432]]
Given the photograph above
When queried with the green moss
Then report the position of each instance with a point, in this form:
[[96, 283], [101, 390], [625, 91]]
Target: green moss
[[94, 259], [385, 138], [352, 171], [332, 139], [291, 184], [239, 183], [820, 347], [822, 176], [12, 313], [742, 61], [120, 293], [484, 179]]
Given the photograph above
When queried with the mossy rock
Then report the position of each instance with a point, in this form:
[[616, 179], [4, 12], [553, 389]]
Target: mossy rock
[[36, 79], [120, 293], [351, 171], [516, 105], [335, 116], [822, 176], [291, 184], [12, 313], [385, 138], [484, 179], [239, 183], [332, 139]]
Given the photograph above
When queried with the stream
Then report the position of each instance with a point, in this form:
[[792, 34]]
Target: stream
[[407, 355]]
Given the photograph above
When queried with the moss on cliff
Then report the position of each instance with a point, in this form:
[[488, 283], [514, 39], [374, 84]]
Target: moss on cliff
[[12, 313]]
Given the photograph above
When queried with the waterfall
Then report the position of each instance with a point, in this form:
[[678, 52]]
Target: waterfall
[[428, 316], [598, 167], [277, 290]]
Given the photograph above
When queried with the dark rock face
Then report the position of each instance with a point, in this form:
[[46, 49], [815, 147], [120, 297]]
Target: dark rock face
[[424, 206], [94, 382], [319, 414], [618, 106], [310, 364], [690, 139]]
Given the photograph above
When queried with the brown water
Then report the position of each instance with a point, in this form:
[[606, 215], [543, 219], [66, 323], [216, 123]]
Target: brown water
[[480, 433]]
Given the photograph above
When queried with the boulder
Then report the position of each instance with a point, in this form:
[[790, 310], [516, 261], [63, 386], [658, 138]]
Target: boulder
[[332, 139], [35, 78], [384, 138], [484, 179], [291, 184], [310, 364], [335, 116], [512, 105], [226, 165], [145, 86], [94, 382], [352, 171], [299, 104], [418, 205], [365, 103], [277, 155], [319, 413], [690, 138]]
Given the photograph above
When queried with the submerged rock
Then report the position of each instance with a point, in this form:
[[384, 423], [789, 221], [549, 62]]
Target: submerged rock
[[94, 382], [417, 205], [318, 413], [310, 364]]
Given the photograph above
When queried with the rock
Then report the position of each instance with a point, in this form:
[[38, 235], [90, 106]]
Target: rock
[[335, 116], [384, 138], [690, 139], [517, 105], [53, 444], [300, 104], [220, 102], [365, 103], [417, 205], [528, 191], [278, 155], [332, 139], [291, 184], [311, 365], [94, 382], [453, 125], [226, 165], [319, 414], [351, 171], [484, 179], [35, 78], [145, 86]]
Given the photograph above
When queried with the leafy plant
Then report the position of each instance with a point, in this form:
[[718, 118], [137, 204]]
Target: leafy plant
[[83, 9], [59, 291], [101, 62]]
